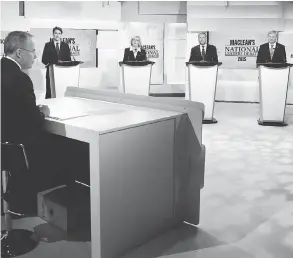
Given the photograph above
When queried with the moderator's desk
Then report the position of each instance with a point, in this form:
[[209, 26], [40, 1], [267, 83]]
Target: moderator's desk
[[146, 163]]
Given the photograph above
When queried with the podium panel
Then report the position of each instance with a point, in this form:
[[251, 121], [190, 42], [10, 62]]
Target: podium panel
[[273, 83], [62, 75], [136, 79], [201, 87]]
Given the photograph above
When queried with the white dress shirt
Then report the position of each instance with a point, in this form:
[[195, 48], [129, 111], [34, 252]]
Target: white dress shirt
[[270, 49], [55, 43], [274, 45], [8, 57], [135, 52]]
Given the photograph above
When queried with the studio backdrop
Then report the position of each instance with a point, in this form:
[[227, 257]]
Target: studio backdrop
[[237, 49], [3, 36], [286, 38]]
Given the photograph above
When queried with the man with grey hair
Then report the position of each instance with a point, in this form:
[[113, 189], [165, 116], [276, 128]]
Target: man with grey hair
[[271, 52], [21, 118], [20, 115]]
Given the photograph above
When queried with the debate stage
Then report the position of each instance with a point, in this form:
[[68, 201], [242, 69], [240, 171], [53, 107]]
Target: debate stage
[[246, 203]]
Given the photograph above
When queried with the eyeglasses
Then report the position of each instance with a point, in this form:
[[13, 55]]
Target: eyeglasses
[[32, 51]]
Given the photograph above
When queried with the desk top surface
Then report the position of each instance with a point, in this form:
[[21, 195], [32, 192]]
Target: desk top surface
[[101, 116]]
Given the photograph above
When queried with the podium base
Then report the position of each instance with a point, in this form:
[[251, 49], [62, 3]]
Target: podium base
[[271, 123], [213, 121]]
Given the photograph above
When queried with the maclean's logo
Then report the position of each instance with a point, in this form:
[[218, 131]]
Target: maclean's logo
[[66, 40], [151, 51], [242, 48], [74, 48]]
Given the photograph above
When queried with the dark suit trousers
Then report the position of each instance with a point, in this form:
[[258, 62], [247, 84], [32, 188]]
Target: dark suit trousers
[[48, 87], [47, 170]]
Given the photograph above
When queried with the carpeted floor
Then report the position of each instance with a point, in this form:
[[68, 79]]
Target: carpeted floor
[[247, 201], [246, 204]]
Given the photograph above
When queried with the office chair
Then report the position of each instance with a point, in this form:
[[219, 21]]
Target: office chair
[[14, 242]]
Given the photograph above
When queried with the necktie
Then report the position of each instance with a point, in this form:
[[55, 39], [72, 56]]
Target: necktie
[[135, 53], [57, 49], [203, 53], [272, 51]]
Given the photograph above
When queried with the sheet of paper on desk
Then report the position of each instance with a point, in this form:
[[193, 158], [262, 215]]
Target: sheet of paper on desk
[[66, 114]]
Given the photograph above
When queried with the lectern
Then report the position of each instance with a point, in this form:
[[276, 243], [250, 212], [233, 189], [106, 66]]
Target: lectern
[[62, 75], [201, 86], [135, 77], [273, 88]]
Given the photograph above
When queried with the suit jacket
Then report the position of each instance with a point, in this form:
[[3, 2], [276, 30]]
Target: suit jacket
[[50, 54], [211, 54], [129, 55], [264, 56], [20, 117]]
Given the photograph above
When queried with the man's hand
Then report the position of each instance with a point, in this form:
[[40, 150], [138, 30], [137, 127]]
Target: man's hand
[[45, 110]]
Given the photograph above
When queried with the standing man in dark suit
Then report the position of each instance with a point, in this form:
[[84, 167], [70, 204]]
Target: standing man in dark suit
[[135, 52], [21, 118], [272, 52], [55, 51], [203, 51]]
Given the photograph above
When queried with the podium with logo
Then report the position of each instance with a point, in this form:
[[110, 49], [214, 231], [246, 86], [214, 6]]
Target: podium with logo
[[201, 86], [62, 75], [273, 89], [135, 77]]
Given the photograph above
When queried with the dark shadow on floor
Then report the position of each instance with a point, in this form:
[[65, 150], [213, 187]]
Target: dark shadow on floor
[[50, 234], [181, 239]]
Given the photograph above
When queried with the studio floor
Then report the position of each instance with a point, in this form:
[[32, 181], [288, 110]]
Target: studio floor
[[246, 203]]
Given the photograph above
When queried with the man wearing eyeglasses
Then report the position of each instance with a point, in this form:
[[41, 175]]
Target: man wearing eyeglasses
[[21, 118], [55, 51]]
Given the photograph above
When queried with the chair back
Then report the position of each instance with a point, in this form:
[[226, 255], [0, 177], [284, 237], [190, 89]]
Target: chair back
[[13, 157]]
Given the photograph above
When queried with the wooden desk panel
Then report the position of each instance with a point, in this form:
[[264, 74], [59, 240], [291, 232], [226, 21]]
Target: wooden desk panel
[[147, 150], [137, 190]]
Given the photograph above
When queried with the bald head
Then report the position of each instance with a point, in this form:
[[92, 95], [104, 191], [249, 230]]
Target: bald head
[[19, 46], [202, 38]]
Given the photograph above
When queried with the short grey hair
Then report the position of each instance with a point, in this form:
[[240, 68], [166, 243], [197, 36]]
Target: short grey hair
[[273, 32], [15, 40], [136, 38]]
